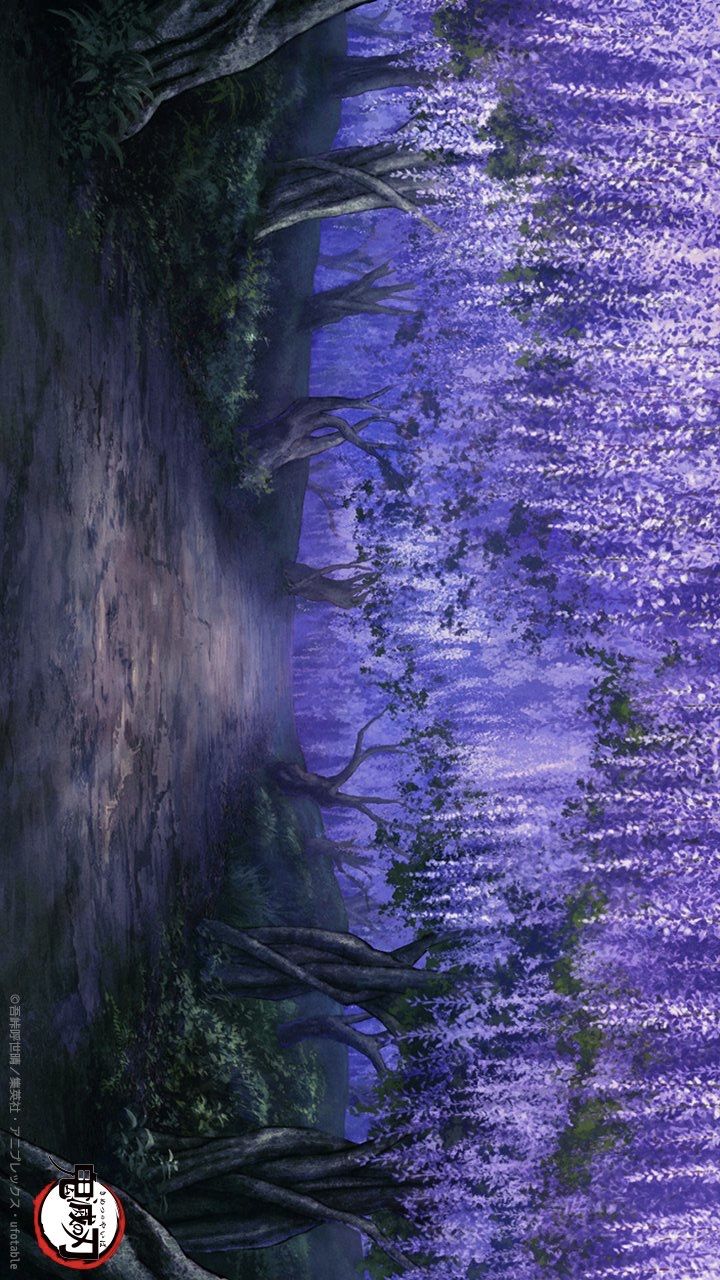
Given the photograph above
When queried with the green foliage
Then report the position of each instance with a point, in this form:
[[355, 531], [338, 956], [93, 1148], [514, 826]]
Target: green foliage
[[142, 1161], [262, 843], [106, 82], [593, 1128], [621, 729], [186, 202], [582, 908], [174, 1048], [174, 1052], [180, 200], [516, 138], [592, 1125], [451, 25]]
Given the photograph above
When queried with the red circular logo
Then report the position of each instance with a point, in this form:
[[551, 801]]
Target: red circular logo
[[79, 1221]]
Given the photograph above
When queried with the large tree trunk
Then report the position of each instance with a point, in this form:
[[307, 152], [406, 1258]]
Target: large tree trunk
[[360, 296], [289, 1212], [314, 584], [352, 76], [262, 1188], [279, 1152], [193, 42], [326, 791], [348, 180], [310, 427], [281, 963]]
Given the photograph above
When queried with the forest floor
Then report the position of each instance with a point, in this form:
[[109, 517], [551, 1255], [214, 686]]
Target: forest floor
[[146, 642]]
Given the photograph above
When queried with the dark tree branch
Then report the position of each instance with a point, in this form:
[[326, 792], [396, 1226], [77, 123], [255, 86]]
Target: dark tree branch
[[379, 186], [314, 584], [342, 852], [241, 940], [311, 426], [292, 1203], [291, 959], [328, 942], [326, 791], [361, 295], [352, 76], [361, 753], [348, 180], [328, 1027], [264, 1150]]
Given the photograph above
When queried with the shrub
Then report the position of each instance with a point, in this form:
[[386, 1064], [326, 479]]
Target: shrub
[[106, 82]]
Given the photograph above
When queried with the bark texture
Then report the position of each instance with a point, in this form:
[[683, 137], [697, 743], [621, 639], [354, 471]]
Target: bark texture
[[330, 1027], [284, 962], [259, 1188], [193, 42], [364, 295], [327, 790], [311, 426], [352, 76], [227, 1194], [348, 180], [317, 585]]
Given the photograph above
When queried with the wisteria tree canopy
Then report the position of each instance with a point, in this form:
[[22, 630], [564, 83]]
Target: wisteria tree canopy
[[411, 740]]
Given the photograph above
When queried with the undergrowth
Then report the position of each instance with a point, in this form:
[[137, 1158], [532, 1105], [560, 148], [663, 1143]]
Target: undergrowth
[[105, 80], [178, 202], [176, 1053], [184, 206]]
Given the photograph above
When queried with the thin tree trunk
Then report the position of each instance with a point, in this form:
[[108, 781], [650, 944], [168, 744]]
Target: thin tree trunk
[[274, 1153]]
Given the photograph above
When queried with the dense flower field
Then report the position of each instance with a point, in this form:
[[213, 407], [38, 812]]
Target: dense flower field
[[547, 588]]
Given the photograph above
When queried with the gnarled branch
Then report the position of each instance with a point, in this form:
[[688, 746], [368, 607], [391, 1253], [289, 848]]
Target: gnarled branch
[[361, 295], [329, 1027], [311, 426], [316, 585]]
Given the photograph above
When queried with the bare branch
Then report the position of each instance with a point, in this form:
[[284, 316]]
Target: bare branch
[[293, 434], [295, 1202], [328, 1027], [378, 185], [241, 941]]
